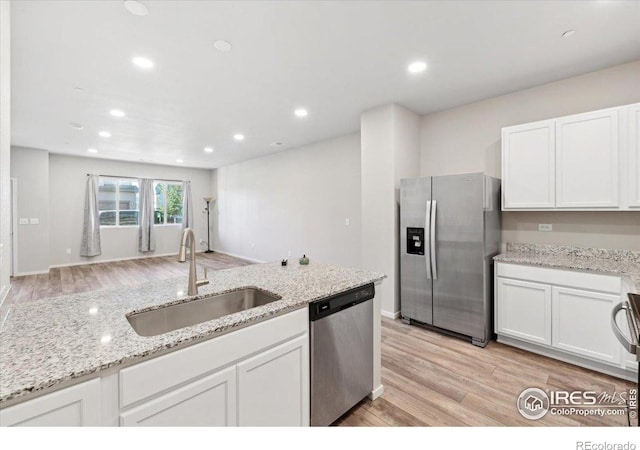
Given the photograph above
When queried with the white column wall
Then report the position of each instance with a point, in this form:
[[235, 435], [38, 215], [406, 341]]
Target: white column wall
[[390, 150]]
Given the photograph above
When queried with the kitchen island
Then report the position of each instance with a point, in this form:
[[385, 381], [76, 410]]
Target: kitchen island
[[57, 344]]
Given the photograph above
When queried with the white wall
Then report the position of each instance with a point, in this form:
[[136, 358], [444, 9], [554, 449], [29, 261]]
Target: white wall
[[390, 150], [30, 168], [67, 179], [296, 200], [5, 147], [467, 139]]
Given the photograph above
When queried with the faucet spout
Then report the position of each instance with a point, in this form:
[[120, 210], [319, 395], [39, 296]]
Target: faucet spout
[[188, 237]]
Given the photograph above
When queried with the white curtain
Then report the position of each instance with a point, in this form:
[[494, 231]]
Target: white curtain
[[187, 205], [90, 245], [146, 232]]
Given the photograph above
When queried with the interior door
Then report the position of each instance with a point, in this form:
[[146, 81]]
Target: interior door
[[458, 273], [415, 284]]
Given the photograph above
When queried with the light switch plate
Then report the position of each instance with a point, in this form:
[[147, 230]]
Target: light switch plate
[[24, 221], [347, 222], [68, 251], [545, 227], [33, 221]]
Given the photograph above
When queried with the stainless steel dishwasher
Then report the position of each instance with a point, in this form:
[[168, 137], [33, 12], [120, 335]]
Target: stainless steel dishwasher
[[341, 353]]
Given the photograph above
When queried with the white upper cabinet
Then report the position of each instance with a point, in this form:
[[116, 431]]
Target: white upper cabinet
[[528, 162], [633, 120], [587, 160]]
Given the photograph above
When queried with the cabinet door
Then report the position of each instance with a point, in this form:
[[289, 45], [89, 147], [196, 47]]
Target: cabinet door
[[587, 160], [74, 406], [210, 401], [524, 310], [582, 324], [273, 387], [633, 120], [528, 166]]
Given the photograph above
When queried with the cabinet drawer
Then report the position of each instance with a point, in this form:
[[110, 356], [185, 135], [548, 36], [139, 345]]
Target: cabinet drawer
[[164, 372], [559, 277]]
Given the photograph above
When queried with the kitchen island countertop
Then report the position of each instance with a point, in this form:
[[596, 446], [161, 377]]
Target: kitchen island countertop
[[57, 340]]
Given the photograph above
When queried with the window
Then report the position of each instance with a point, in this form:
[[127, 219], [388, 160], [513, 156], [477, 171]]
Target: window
[[168, 203], [118, 201]]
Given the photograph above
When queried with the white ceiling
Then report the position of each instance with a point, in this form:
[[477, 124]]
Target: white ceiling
[[335, 58]]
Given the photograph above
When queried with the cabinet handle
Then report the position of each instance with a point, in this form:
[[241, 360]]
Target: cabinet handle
[[628, 346]]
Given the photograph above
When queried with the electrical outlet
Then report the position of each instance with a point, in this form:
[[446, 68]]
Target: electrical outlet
[[545, 227], [253, 245], [347, 222], [24, 221], [68, 251], [33, 221], [289, 254]]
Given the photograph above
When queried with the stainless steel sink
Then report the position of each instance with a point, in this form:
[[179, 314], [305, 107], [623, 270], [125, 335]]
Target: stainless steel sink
[[174, 317]]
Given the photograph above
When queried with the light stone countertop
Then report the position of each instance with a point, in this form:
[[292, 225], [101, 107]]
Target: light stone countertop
[[618, 262], [56, 340]]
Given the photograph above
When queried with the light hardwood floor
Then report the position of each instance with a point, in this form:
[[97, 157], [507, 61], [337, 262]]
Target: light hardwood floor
[[89, 277], [429, 379], [435, 380]]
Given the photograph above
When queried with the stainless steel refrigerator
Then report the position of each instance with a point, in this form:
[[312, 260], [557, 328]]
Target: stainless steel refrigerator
[[450, 231]]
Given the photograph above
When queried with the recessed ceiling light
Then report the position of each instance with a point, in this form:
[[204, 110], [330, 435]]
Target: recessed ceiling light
[[142, 62], [78, 89], [208, 150], [238, 137], [301, 112], [93, 311], [117, 113], [179, 161], [136, 8], [223, 46], [104, 134], [76, 126], [105, 339], [417, 67], [568, 33], [276, 144], [92, 150]]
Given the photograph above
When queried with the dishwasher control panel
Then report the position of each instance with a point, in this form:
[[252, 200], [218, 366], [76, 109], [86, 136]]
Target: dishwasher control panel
[[328, 306]]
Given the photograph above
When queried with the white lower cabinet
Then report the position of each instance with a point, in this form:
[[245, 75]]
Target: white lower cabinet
[[257, 375], [210, 401], [524, 310], [272, 388], [562, 314], [582, 325], [74, 406]]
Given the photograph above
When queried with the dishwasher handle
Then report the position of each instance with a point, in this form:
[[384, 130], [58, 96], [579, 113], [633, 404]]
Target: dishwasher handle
[[325, 307]]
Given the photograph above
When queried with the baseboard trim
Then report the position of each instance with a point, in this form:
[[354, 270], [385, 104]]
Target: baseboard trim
[[257, 261], [560, 355], [128, 258], [35, 272], [390, 315], [377, 392]]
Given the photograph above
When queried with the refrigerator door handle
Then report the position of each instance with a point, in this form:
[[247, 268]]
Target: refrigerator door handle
[[432, 243], [427, 248]]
